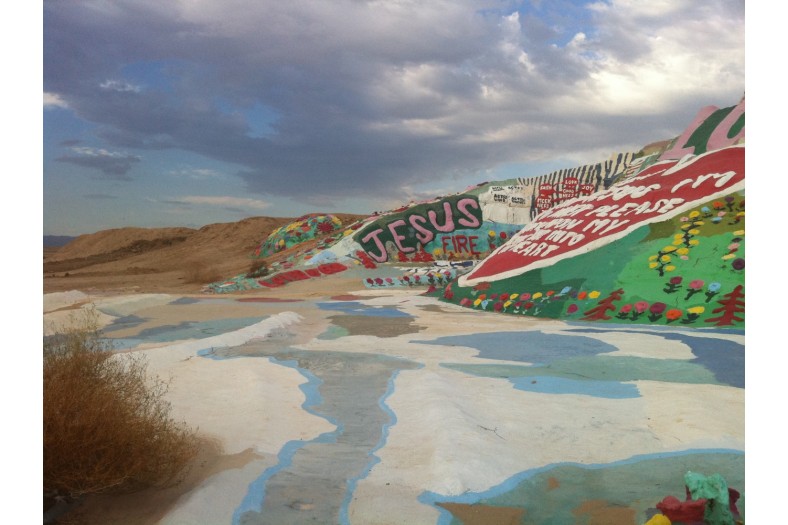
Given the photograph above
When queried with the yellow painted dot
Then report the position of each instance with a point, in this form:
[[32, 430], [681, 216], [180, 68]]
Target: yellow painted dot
[[593, 295]]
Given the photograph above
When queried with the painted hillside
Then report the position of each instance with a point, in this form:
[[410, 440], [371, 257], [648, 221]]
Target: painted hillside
[[663, 245]]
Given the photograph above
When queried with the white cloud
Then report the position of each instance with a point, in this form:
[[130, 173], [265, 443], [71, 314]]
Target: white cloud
[[119, 85], [53, 100]]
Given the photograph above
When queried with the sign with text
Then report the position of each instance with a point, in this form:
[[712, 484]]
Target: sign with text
[[586, 223]]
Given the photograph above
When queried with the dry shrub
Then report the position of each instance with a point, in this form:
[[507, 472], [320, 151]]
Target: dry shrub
[[258, 269], [107, 426], [200, 273]]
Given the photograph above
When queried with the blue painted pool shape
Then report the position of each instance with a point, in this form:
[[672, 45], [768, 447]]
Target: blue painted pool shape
[[531, 347], [723, 358], [186, 330], [356, 308], [122, 323], [586, 387]]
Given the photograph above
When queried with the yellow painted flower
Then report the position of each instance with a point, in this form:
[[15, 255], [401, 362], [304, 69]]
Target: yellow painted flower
[[729, 256], [740, 214], [668, 249], [669, 268], [679, 236], [694, 214], [696, 310], [507, 304], [698, 223], [437, 251], [694, 242], [347, 232], [682, 251], [739, 233], [477, 302], [677, 242], [593, 295], [653, 265], [694, 232], [652, 258], [537, 295], [491, 233], [665, 258], [514, 296], [658, 519], [686, 226]]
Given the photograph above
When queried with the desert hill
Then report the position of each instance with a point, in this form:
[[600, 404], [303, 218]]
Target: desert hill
[[159, 259]]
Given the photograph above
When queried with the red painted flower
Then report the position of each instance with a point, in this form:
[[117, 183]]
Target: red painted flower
[[504, 296], [738, 264], [493, 296], [448, 294], [503, 235], [697, 284], [626, 308], [641, 306], [528, 305], [550, 292], [369, 280], [518, 304], [465, 302], [482, 297], [572, 308], [657, 308], [325, 227], [498, 306], [675, 280], [582, 295]]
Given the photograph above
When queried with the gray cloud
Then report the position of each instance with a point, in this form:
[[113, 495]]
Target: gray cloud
[[100, 196], [112, 165], [369, 97]]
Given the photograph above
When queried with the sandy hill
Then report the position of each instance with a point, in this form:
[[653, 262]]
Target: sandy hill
[[159, 259]]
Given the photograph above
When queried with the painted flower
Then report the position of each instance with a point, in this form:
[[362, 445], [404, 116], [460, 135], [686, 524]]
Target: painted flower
[[502, 235], [626, 308], [504, 296], [705, 210], [465, 302], [641, 306], [477, 302], [738, 264], [715, 220], [684, 219], [697, 284], [572, 308], [550, 293], [733, 246], [537, 295], [525, 296], [694, 214], [528, 305], [518, 304], [682, 251], [657, 308], [370, 281], [653, 258], [722, 214], [739, 233], [674, 314], [714, 287], [483, 296], [717, 205], [593, 295], [728, 256], [493, 296], [507, 304], [696, 310], [675, 280], [389, 280], [485, 303], [498, 306], [565, 290], [694, 242], [665, 258], [491, 233], [582, 295], [514, 296], [378, 280], [668, 249], [448, 294], [694, 231]]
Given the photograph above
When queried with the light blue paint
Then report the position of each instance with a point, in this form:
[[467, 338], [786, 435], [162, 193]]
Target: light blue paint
[[532, 347], [588, 387], [468, 498], [356, 308], [121, 323], [723, 358], [187, 330], [255, 495], [344, 519]]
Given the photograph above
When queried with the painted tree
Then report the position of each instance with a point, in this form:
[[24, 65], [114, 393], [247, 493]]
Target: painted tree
[[597, 313], [732, 303]]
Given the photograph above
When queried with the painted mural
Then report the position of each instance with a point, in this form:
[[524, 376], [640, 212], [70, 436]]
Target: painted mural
[[664, 245], [302, 229]]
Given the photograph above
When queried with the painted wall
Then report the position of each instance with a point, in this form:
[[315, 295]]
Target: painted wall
[[667, 246], [302, 229]]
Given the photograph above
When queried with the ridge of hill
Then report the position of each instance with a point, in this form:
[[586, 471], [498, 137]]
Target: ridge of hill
[[159, 259]]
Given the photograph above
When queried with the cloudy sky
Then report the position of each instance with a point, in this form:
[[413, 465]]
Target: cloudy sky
[[189, 112]]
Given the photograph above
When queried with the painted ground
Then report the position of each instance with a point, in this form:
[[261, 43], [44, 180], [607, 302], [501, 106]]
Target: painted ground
[[381, 406]]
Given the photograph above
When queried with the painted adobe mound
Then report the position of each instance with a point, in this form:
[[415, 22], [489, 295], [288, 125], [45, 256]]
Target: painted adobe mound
[[302, 229], [665, 245]]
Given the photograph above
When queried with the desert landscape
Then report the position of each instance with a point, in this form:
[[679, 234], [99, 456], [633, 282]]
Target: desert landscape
[[355, 379]]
